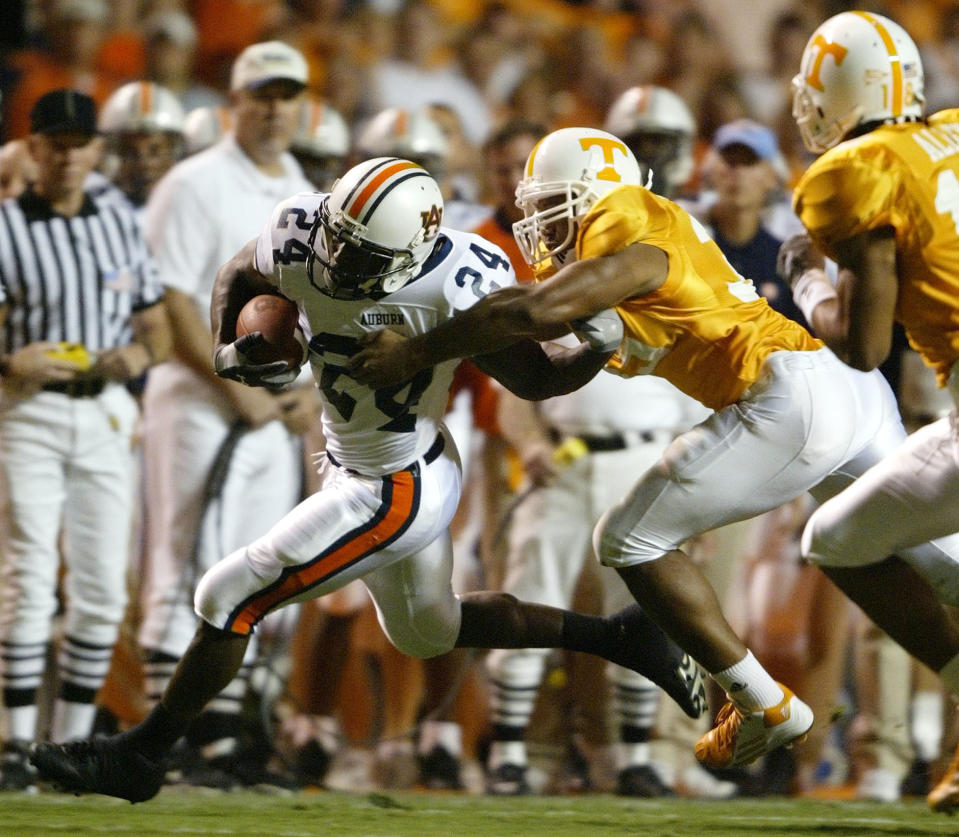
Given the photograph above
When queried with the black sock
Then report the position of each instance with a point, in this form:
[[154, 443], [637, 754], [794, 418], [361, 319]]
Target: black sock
[[156, 734], [585, 633]]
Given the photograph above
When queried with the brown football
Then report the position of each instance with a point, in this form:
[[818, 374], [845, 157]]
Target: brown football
[[275, 317]]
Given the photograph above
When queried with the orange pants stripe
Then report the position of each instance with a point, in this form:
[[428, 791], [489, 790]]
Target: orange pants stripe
[[401, 495]]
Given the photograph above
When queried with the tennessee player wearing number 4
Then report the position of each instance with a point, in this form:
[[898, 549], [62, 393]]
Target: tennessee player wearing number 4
[[882, 200], [370, 252]]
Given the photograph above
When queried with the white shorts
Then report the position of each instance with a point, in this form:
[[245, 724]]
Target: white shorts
[[895, 508], [391, 531], [809, 423]]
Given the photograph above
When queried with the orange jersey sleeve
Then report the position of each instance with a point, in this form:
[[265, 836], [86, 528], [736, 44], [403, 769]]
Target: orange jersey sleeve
[[705, 330]]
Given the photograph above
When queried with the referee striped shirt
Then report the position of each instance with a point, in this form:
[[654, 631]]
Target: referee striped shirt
[[74, 279]]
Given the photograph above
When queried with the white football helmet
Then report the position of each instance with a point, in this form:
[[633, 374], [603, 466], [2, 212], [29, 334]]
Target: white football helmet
[[568, 170], [322, 131], [659, 128], [375, 229], [321, 143], [142, 107], [857, 68], [206, 125], [410, 134]]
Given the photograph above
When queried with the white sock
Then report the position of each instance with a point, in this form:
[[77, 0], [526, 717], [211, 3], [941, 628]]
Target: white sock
[[749, 685], [507, 752], [949, 674], [926, 724], [445, 734], [71, 720], [20, 723], [632, 755]]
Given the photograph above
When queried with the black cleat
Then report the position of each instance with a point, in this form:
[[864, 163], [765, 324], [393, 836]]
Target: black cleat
[[644, 647], [440, 770], [508, 780], [99, 765], [641, 780]]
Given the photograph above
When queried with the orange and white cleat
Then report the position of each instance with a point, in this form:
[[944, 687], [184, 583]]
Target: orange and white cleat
[[742, 737], [944, 797]]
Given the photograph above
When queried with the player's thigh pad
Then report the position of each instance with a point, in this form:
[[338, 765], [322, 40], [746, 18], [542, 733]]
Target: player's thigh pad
[[784, 436], [897, 505], [414, 600], [351, 526]]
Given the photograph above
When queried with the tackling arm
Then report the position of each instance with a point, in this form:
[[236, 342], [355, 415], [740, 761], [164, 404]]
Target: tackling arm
[[541, 311]]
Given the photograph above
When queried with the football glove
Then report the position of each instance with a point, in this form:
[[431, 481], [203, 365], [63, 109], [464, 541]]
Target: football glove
[[232, 361], [796, 255], [603, 331]]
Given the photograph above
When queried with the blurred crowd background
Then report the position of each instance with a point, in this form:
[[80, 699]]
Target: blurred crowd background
[[478, 64]]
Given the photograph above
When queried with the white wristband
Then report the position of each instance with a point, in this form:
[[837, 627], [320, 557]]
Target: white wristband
[[811, 288]]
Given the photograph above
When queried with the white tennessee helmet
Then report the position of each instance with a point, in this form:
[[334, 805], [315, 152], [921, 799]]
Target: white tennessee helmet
[[142, 107], [858, 68], [322, 131], [205, 126], [568, 170], [375, 229], [658, 127], [410, 134]]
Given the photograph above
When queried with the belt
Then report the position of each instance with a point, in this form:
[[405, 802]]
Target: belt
[[439, 443], [615, 441], [81, 388]]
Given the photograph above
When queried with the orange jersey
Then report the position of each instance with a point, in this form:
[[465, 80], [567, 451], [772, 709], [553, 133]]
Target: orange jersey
[[905, 177], [705, 330]]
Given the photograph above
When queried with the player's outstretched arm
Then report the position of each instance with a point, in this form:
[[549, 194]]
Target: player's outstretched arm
[[541, 311]]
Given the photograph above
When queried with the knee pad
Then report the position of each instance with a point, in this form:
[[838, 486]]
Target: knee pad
[[424, 633], [835, 545], [617, 544]]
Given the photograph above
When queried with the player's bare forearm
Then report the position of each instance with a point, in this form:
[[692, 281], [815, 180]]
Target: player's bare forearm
[[494, 323], [535, 371], [857, 325], [236, 283]]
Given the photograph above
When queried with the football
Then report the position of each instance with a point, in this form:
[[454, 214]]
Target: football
[[275, 317]]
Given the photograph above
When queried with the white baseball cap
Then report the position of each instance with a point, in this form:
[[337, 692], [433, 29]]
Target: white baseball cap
[[262, 63]]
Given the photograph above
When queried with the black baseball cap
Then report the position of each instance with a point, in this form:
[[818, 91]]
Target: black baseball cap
[[64, 112]]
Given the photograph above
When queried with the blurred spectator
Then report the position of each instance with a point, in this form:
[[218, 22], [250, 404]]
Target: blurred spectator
[[747, 210], [423, 71], [171, 41], [73, 31], [940, 60], [219, 44], [17, 168]]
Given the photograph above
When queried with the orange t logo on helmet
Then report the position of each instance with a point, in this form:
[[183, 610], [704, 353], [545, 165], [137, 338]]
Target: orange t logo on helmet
[[608, 146], [837, 51]]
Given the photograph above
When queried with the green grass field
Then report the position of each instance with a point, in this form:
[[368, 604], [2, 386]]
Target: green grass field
[[177, 812]]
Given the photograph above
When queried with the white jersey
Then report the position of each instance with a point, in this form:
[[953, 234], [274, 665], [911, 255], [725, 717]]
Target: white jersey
[[378, 432]]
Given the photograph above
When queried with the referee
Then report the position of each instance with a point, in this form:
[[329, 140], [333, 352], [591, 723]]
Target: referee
[[81, 314]]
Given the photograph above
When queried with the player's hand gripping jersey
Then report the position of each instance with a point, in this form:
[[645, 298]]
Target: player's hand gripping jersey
[[705, 330], [378, 431], [906, 177]]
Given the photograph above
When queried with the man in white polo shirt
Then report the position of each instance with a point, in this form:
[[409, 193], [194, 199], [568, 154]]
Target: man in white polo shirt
[[222, 461]]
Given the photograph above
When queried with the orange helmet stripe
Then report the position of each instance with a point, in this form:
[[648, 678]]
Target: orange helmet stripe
[[146, 97], [895, 62], [378, 180]]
